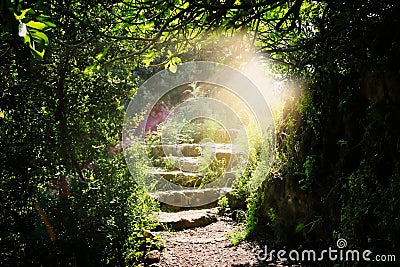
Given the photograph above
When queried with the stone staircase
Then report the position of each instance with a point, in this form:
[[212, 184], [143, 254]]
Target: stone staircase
[[192, 167]]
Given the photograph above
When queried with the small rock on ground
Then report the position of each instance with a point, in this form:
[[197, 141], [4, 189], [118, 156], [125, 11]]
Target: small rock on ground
[[152, 257]]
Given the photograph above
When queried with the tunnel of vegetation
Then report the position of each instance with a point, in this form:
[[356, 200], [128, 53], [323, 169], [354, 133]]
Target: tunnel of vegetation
[[69, 70]]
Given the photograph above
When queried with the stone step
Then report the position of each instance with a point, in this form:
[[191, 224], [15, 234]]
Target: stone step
[[193, 150], [188, 218], [186, 150], [192, 164], [199, 164], [191, 197], [186, 164], [187, 179], [192, 179]]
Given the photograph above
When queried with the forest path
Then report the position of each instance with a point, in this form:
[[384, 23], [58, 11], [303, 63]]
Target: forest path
[[199, 237], [205, 246]]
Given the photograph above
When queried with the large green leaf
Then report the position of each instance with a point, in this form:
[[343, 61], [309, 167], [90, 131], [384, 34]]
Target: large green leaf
[[37, 25], [37, 43], [40, 37], [45, 19]]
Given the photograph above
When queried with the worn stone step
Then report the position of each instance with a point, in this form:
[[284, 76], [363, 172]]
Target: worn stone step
[[186, 164], [186, 150], [193, 150], [193, 179], [191, 197], [187, 179], [192, 164], [199, 164], [187, 219]]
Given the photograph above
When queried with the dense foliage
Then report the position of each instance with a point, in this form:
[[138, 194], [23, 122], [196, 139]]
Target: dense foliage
[[68, 70], [60, 129], [337, 144]]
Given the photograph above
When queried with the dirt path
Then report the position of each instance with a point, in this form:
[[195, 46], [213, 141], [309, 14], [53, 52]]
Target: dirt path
[[208, 246]]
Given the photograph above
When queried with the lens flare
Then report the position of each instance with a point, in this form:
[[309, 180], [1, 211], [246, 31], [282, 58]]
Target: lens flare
[[195, 165]]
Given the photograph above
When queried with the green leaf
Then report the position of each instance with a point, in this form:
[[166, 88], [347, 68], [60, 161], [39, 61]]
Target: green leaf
[[90, 69], [42, 17], [173, 68], [49, 24], [299, 227], [176, 60], [26, 39], [37, 25], [22, 16], [37, 54], [40, 37], [148, 26], [101, 55], [45, 19], [147, 62]]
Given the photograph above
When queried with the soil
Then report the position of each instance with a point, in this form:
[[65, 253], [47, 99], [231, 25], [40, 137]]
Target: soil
[[208, 246]]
